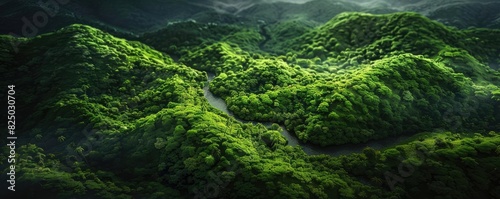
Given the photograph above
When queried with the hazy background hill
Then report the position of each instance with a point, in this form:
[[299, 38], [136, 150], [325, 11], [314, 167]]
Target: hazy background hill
[[149, 15]]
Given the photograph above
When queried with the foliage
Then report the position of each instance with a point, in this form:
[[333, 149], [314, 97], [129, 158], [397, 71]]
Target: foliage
[[370, 78], [463, 168], [122, 120], [104, 117]]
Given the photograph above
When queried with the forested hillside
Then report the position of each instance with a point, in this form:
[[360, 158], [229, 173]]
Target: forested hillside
[[106, 117], [363, 76]]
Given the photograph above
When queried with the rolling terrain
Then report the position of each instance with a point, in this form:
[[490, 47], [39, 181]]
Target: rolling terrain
[[101, 116]]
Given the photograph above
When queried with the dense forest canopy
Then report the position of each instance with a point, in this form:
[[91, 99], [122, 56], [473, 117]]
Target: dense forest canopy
[[360, 77], [109, 114]]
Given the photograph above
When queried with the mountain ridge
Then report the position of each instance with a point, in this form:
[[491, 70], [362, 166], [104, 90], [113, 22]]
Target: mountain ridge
[[104, 117], [148, 16], [137, 125]]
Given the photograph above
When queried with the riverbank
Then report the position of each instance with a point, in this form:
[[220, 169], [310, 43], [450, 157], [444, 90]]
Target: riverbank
[[309, 149]]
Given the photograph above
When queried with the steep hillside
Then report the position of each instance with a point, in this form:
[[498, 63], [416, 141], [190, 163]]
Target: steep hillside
[[353, 38], [103, 117], [383, 75], [282, 34], [437, 165], [180, 38]]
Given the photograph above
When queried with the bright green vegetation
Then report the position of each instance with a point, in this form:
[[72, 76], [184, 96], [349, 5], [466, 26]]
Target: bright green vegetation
[[110, 118], [438, 165], [350, 39], [361, 77], [103, 117]]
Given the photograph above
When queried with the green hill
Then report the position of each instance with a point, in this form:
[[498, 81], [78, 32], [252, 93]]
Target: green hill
[[103, 117], [179, 39], [151, 15], [438, 165], [354, 38], [385, 75]]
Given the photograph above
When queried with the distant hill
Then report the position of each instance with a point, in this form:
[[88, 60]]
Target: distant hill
[[151, 15], [468, 15]]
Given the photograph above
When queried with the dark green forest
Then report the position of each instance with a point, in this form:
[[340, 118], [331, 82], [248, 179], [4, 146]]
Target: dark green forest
[[102, 114]]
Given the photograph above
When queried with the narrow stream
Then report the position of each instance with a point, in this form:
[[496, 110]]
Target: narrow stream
[[310, 149], [264, 34]]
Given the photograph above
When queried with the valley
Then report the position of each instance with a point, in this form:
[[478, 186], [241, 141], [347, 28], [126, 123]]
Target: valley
[[359, 105]]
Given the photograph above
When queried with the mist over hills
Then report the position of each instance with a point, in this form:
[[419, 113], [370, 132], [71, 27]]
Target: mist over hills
[[112, 99], [144, 16]]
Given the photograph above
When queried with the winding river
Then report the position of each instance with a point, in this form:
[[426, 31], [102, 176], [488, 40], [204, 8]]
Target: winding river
[[267, 37], [310, 149]]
